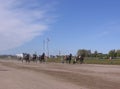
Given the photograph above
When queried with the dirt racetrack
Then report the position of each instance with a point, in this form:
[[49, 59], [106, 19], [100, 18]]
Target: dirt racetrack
[[17, 75]]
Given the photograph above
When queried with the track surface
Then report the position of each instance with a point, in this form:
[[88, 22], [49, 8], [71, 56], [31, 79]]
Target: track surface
[[17, 75]]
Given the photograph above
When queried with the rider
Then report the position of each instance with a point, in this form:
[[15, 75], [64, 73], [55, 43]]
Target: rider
[[70, 58]]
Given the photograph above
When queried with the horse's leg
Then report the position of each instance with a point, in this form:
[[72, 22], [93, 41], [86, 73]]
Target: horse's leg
[[29, 59], [36, 60], [22, 60], [80, 61], [69, 60], [39, 60], [66, 60], [26, 60]]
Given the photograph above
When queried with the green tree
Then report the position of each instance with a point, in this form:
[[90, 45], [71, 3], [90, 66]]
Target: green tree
[[118, 53], [84, 52], [112, 53], [95, 54]]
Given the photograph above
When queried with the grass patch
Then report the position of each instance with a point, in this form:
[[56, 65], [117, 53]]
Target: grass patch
[[90, 61]]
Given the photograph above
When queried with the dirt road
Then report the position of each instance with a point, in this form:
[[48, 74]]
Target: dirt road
[[17, 75]]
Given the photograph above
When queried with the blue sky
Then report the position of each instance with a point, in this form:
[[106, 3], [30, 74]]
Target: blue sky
[[69, 24]]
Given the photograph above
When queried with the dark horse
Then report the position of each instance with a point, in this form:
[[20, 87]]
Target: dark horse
[[68, 58], [42, 58], [26, 57]]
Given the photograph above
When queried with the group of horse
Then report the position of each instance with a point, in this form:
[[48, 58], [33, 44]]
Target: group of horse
[[77, 59], [42, 58], [28, 58], [67, 58]]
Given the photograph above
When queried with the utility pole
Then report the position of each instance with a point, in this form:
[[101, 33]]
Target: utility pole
[[44, 46], [48, 46], [59, 53]]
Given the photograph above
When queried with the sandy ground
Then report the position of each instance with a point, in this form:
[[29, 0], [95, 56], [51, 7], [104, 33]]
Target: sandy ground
[[17, 75]]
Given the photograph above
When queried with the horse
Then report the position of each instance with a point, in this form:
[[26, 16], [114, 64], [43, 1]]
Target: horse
[[41, 58], [34, 58], [68, 58], [26, 57], [19, 56], [79, 59]]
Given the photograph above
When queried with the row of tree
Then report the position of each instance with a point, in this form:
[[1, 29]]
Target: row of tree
[[87, 53]]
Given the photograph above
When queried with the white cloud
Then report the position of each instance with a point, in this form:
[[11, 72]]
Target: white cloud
[[20, 23]]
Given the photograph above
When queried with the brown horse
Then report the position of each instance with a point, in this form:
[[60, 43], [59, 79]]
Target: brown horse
[[79, 59]]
